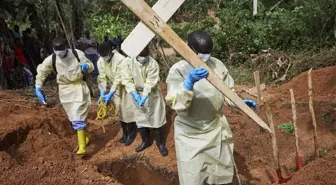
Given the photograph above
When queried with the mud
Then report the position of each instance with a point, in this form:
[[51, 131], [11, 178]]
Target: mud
[[128, 171], [37, 143]]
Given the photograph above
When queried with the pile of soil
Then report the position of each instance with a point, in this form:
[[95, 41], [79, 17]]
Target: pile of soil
[[37, 143], [321, 171], [324, 85]]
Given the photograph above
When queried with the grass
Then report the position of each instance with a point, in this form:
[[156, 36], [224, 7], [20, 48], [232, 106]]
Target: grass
[[324, 152], [309, 159], [287, 127], [242, 74], [326, 116]]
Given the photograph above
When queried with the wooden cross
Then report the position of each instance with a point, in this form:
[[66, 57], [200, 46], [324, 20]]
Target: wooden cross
[[139, 38], [153, 21]]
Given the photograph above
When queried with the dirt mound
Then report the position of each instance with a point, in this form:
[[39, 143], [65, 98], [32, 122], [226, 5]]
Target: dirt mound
[[37, 143], [319, 172], [324, 84]]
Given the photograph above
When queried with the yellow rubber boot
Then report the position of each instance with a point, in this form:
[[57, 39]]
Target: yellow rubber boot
[[87, 137], [81, 142]]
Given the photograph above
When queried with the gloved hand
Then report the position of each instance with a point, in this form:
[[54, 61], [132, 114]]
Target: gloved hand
[[250, 103], [40, 95], [143, 100], [108, 97], [84, 67], [193, 76], [102, 94], [136, 97]]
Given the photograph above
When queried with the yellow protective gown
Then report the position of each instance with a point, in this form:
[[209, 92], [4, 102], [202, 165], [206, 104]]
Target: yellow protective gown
[[74, 93], [201, 128], [109, 74], [144, 78]]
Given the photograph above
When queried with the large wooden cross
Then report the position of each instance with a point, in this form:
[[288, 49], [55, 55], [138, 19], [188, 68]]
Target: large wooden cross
[[153, 21], [139, 38]]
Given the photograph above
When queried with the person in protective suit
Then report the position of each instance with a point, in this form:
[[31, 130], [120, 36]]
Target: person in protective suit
[[202, 133], [109, 68], [141, 79], [74, 93]]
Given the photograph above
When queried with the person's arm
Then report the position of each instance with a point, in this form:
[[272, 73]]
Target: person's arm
[[126, 76], [153, 77], [178, 98], [43, 70], [84, 60], [102, 78], [118, 77], [228, 80]]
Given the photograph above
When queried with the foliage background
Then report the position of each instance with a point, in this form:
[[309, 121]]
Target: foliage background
[[297, 30]]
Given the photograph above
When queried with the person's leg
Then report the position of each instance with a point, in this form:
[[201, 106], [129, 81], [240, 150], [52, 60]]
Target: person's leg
[[79, 127], [160, 142], [131, 133], [124, 132], [145, 134], [29, 76]]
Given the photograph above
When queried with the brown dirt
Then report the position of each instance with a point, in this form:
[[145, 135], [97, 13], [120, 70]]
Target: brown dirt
[[36, 147]]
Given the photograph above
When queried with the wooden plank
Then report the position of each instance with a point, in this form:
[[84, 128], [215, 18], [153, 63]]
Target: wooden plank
[[312, 112], [139, 38], [274, 141], [257, 83], [156, 24], [298, 151]]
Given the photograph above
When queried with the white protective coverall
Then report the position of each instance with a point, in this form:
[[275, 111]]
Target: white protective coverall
[[110, 74], [74, 93], [144, 78], [201, 128]]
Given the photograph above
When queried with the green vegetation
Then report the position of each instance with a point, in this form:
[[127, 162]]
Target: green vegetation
[[288, 127], [301, 33], [324, 152]]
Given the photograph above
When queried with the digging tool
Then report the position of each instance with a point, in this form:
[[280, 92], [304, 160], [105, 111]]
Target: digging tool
[[312, 112], [298, 151], [275, 148], [157, 25], [257, 83]]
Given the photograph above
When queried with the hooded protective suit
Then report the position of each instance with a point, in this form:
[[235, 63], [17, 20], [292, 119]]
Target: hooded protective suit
[[201, 128], [110, 74], [74, 93], [144, 78]]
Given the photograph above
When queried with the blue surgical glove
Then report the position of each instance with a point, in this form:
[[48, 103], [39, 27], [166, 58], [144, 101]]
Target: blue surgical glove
[[193, 76], [143, 100], [250, 103], [136, 97], [40, 95], [102, 94], [108, 97], [84, 67]]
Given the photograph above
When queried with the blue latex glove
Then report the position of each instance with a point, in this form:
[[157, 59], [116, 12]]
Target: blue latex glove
[[84, 67], [40, 95], [193, 76], [250, 103], [102, 94], [108, 97], [143, 100], [136, 97]]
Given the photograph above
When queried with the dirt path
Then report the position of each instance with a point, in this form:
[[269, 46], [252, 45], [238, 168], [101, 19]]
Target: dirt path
[[37, 150]]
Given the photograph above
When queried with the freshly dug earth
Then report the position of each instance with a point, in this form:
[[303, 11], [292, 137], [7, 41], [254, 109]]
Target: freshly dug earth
[[37, 143]]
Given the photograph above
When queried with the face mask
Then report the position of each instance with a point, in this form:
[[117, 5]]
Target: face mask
[[141, 59], [61, 53], [204, 57], [107, 58]]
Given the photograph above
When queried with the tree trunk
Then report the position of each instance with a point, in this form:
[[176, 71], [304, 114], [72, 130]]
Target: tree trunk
[[78, 21]]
